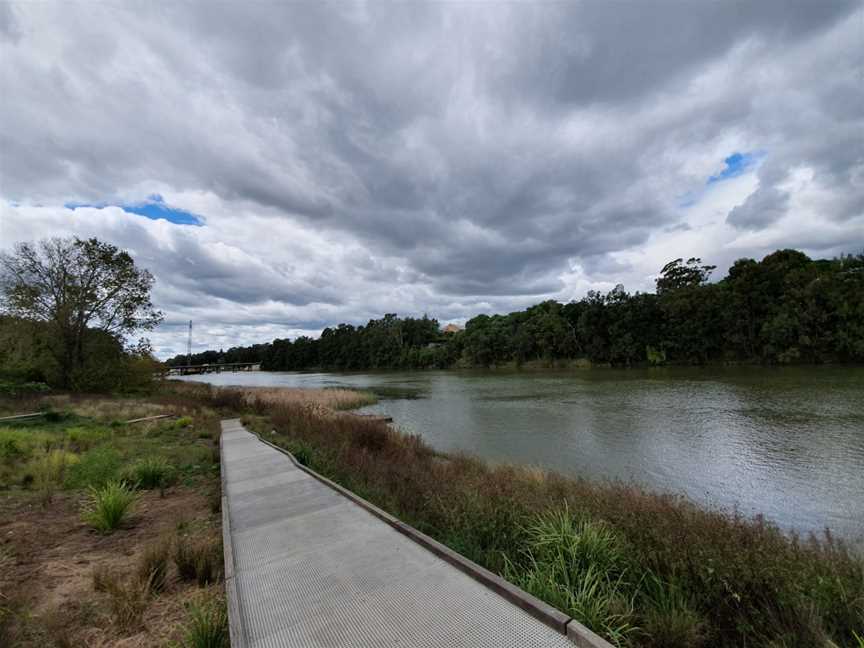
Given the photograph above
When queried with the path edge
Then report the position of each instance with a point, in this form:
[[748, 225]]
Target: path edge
[[236, 631], [580, 635]]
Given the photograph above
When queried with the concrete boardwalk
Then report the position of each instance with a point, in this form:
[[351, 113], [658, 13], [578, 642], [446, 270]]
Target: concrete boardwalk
[[308, 567]]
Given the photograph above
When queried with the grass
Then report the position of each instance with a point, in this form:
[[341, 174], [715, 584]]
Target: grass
[[108, 506], [96, 468], [208, 625], [640, 568], [330, 398], [127, 600], [153, 564], [150, 473], [49, 470], [580, 567], [198, 559]]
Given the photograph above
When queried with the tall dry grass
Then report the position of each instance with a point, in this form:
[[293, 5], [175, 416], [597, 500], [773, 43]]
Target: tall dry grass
[[330, 399]]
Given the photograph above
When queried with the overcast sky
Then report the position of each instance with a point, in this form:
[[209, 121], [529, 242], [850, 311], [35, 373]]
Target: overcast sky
[[282, 167]]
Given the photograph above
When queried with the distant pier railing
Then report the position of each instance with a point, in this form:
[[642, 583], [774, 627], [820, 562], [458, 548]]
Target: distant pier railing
[[185, 370]]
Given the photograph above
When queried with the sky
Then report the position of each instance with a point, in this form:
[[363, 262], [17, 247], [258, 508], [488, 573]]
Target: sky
[[282, 167]]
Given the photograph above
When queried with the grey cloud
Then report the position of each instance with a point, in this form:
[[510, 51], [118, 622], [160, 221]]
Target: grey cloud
[[468, 151]]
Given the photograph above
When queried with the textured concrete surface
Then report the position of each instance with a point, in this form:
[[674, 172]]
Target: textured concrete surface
[[311, 568]]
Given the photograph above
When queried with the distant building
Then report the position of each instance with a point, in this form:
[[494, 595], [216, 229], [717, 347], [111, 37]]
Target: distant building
[[452, 328]]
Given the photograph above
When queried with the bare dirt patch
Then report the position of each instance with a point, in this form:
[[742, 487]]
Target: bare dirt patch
[[49, 555]]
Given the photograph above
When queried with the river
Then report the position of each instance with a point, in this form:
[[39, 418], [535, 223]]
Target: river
[[784, 442]]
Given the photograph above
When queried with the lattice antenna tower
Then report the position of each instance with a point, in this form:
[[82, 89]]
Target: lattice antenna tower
[[189, 345]]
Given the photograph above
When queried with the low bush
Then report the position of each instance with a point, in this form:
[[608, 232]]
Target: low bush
[[108, 506], [208, 625], [199, 559], [183, 422]]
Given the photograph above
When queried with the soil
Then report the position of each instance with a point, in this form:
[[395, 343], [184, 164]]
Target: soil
[[48, 555]]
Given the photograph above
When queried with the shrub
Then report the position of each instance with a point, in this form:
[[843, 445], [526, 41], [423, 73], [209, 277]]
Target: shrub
[[152, 472], [108, 506], [153, 564], [96, 468], [208, 626], [183, 422], [199, 559]]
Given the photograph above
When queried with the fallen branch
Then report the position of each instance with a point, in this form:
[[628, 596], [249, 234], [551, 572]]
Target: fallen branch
[[22, 416], [149, 418]]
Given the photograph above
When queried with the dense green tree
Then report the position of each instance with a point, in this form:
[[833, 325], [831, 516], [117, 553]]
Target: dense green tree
[[83, 292]]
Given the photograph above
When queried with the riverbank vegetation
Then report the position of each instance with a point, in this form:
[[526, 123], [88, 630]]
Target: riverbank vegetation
[[639, 568], [786, 308], [110, 533]]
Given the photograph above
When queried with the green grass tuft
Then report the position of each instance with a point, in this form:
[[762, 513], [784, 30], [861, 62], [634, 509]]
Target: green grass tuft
[[151, 472], [208, 625], [108, 506]]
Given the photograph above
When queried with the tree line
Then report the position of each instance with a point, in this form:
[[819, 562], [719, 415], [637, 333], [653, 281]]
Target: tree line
[[786, 308]]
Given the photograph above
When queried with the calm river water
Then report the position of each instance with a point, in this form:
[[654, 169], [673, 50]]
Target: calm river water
[[787, 443]]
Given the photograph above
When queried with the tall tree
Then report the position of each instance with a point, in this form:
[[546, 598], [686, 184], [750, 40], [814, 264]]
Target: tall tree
[[76, 287]]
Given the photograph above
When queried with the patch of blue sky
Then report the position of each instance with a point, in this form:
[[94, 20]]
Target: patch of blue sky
[[154, 208], [737, 164]]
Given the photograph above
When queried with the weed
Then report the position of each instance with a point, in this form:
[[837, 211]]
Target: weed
[[183, 422], [208, 625], [108, 506]]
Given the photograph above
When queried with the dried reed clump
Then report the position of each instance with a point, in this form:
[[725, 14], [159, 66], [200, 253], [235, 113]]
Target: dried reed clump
[[330, 399]]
